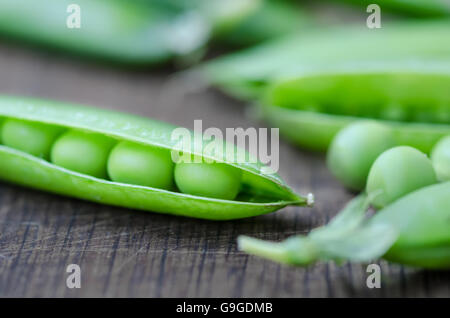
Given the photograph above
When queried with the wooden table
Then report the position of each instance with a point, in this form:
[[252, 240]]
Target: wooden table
[[123, 252]]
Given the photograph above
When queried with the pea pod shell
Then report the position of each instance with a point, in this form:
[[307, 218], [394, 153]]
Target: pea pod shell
[[265, 192], [413, 99], [422, 219], [247, 74], [116, 30]]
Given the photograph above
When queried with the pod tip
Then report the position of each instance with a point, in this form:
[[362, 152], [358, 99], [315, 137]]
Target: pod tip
[[310, 199]]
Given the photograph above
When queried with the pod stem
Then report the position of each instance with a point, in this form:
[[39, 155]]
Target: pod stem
[[348, 237], [296, 250]]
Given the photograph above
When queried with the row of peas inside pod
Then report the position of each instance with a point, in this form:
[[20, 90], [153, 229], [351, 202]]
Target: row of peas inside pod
[[125, 160], [103, 157], [410, 191]]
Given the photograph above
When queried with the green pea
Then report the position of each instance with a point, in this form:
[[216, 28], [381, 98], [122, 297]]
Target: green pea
[[440, 156], [354, 150], [82, 152], [30, 137], [141, 165], [397, 172], [214, 180]]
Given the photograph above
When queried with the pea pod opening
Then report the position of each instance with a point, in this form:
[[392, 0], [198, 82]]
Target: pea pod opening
[[411, 98], [261, 193]]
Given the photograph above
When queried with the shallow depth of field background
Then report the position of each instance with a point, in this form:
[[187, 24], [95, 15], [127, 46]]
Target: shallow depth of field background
[[129, 253]]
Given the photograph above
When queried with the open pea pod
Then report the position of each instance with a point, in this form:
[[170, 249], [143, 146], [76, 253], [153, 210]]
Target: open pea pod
[[261, 192], [246, 74], [413, 99]]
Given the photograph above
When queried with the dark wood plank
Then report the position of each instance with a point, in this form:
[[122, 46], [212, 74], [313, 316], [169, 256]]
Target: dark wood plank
[[129, 253]]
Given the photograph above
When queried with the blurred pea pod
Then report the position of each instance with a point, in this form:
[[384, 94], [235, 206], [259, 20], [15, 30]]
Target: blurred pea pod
[[244, 22], [414, 230], [134, 32], [246, 74], [412, 98], [221, 16], [421, 8], [269, 19], [115, 30]]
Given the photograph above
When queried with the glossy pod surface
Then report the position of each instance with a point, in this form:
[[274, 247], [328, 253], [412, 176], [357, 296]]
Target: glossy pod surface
[[260, 193], [412, 99], [423, 221]]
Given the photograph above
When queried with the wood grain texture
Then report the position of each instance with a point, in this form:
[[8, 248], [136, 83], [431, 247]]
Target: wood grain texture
[[129, 253]]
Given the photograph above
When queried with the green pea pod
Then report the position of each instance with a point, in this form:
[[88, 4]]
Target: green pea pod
[[116, 30], [261, 192], [247, 73], [423, 221], [414, 230], [411, 97]]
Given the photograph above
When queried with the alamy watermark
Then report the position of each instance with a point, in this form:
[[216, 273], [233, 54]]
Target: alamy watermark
[[237, 145], [74, 278], [374, 19], [73, 20], [374, 279]]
